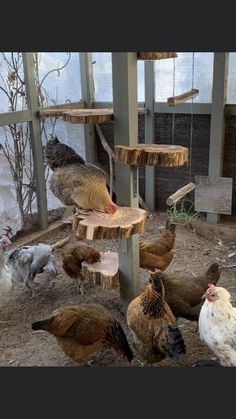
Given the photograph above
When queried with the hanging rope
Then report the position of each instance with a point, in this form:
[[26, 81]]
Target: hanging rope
[[191, 126], [173, 114]]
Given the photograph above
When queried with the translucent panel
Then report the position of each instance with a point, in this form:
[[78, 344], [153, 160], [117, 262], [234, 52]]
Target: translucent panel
[[231, 90], [102, 70], [12, 89], [60, 84], [184, 66]]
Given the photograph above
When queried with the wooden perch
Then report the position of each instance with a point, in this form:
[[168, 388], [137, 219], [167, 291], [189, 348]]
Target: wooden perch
[[180, 193], [53, 111], [155, 55], [152, 155], [88, 116], [176, 100], [97, 225], [104, 273], [60, 243]]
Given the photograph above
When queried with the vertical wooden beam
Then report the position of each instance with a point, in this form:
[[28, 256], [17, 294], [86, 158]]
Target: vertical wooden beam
[[124, 74], [217, 132], [88, 91], [149, 68], [36, 144]]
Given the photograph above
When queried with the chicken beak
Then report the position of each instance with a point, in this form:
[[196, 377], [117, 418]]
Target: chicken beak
[[203, 296]]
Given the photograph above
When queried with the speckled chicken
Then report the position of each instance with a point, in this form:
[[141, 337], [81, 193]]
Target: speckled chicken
[[153, 325], [73, 254], [82, 330], [25, 262], [217, 325], [157, 254], [184, 292], [75, 181]]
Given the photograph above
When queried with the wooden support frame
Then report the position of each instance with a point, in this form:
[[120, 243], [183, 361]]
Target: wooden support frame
[[217, 130], [149, 74], [36, 144], [87, 88], [124, 75]]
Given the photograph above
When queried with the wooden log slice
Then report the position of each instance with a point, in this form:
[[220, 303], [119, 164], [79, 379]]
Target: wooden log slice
[[162, 155], [155, 55], [104, 273], [88, 116], [123, 224]]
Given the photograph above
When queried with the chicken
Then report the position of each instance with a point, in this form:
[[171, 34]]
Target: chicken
[[158, 254], [73, 254], [217, 325], [5, 276], [76, 182], [25, 262], [153, 325], [82, 330], [183, 292]]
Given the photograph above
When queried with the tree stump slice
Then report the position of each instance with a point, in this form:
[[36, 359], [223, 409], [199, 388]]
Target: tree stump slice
[[155, 55], [162, 155], [104, 273], [88, 116], [97, 225]]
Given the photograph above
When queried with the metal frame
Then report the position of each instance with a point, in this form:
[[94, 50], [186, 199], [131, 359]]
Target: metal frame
[[149, 73], [124, 77], [217, 131]]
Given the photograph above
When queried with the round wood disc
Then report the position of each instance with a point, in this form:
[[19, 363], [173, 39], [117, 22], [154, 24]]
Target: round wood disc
[[155, 55], [88, 116], [163, 155], [104, 273], [123, 224]]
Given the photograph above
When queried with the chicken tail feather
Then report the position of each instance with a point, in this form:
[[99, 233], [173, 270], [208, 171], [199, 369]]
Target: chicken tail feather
[[176, 342], [122, 343]]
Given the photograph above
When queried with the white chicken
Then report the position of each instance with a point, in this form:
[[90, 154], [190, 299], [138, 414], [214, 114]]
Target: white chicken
[[25, 262], [217, 324], [5, 276]]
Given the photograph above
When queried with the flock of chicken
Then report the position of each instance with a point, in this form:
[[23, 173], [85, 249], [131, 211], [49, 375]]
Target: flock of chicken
[[81, 330]]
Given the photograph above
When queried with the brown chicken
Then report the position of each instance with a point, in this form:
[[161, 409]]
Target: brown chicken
[[183, 293], [153, 324], [75, 181], [73, 254], [84, 329], [158, 254]]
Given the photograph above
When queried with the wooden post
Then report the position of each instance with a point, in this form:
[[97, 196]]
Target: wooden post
[[36, 144], [87, 87], [149, 68], [124, 72], [217, 132]]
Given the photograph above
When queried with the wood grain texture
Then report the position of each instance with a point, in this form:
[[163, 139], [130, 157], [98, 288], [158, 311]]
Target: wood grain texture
[[123, 224], [88, 116], [104, 273], [155, 55], [179, 194], [162, 155]]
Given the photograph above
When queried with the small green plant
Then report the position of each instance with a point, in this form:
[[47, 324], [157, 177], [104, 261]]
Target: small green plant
[[179, 215]]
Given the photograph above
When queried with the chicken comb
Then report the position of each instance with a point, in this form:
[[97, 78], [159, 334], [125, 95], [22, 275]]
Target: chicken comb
[[211, 287]]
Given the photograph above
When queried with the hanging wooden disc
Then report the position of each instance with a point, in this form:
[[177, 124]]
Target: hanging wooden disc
[[163, 155], [88, 116], [97, 225], [104, 273], [155, 55]]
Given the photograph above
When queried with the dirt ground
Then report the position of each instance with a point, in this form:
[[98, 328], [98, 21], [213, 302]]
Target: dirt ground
[[195, 249]]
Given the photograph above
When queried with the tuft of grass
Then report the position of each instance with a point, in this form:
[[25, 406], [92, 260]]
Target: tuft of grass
[[178, 214]]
